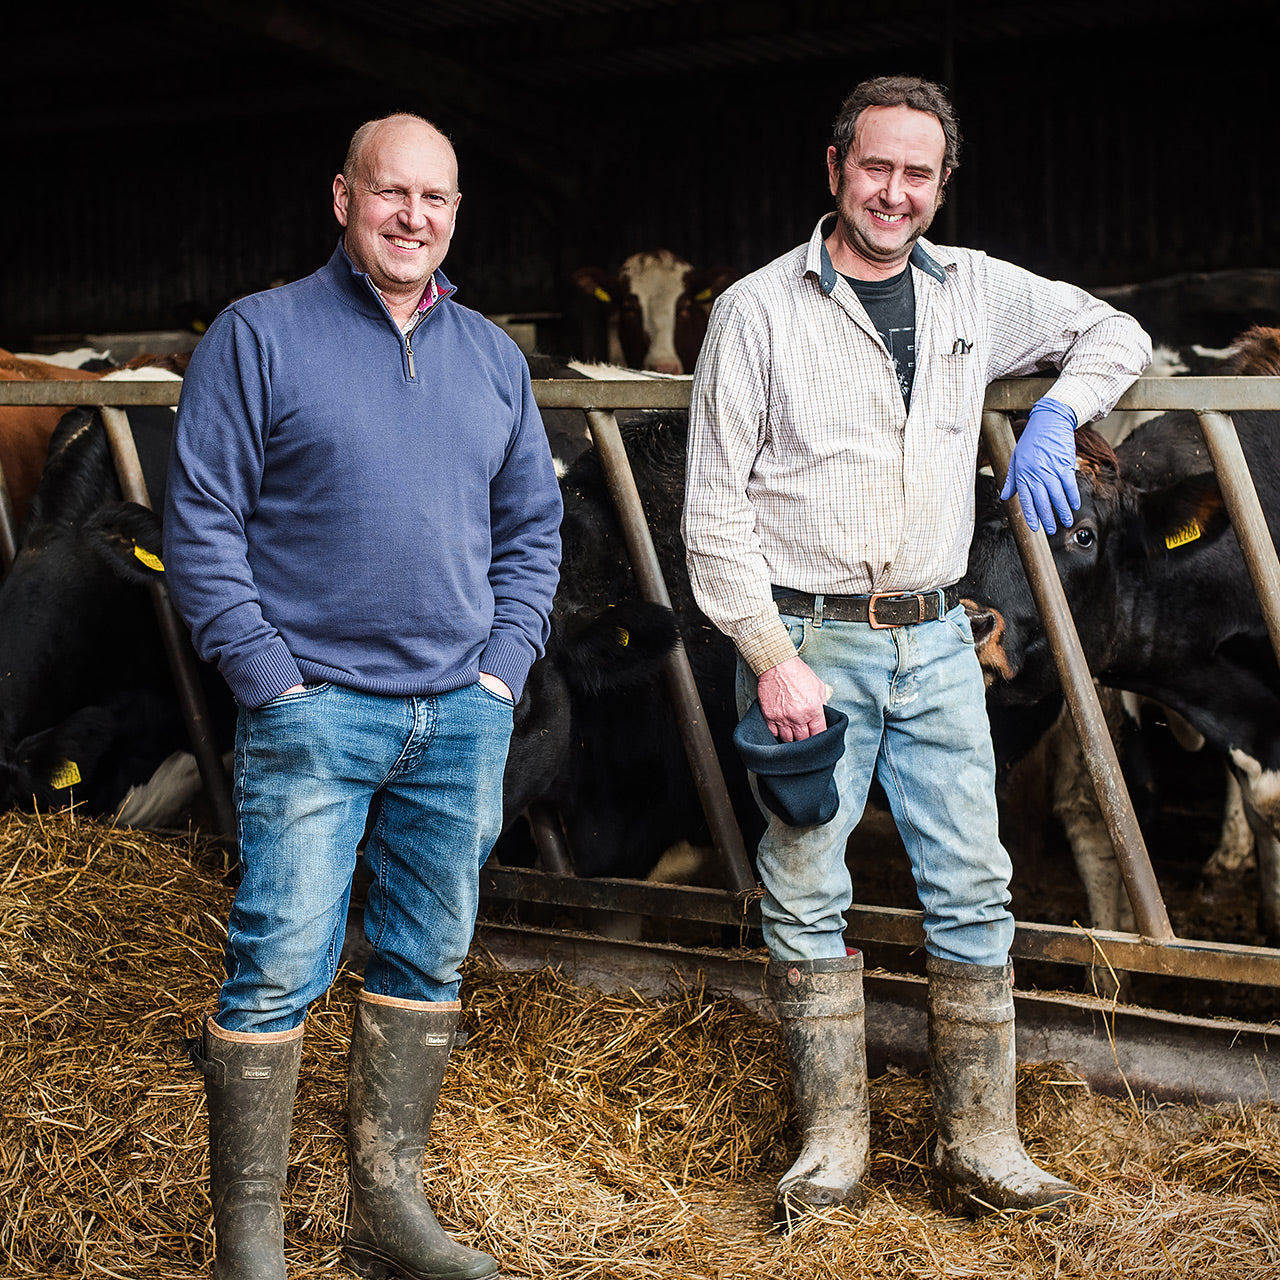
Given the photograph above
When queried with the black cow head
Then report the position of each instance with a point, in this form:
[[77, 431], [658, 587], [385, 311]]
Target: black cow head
[[1125, 541], [593, 658], [127, 539]]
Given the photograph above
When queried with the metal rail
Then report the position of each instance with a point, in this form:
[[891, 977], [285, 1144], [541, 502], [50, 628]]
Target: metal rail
[[873, 927], [1156, 951], [8, 526], [177, 643], [1119, 1050], [1082, 699], [700, 750], [1247, 518]]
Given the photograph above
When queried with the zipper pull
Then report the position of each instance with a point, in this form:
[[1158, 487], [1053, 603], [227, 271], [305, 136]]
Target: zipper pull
[[408, 346]]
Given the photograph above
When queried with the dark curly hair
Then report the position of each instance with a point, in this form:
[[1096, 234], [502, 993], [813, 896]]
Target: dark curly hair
[[897, 91]]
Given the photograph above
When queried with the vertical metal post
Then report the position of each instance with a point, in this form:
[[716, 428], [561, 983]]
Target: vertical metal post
[[8, 526], [1082, 700], [548, 839], [177, 643], [698, 746], [1247, 519]]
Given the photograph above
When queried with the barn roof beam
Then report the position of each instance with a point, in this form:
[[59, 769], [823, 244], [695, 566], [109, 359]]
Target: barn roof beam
[[453, 94]]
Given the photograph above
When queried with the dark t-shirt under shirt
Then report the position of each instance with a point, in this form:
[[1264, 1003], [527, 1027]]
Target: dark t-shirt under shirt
[[891, 305]]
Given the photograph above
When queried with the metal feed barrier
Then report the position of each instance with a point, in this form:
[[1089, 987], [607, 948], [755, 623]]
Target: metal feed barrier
[[1152, 950]]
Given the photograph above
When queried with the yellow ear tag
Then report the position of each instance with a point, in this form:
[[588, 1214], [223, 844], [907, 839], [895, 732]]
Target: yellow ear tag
[[152, 562], [67, 774], [601, 294], [624, 636], [704, 296], [1188, 533]]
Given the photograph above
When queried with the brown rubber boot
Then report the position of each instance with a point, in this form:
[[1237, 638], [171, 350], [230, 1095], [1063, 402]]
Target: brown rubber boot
[[399, 1049], [820, 1006], [979, 1165], [249, 1081]]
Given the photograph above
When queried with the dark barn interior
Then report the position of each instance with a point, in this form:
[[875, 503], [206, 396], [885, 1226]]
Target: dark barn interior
[[164, 159]]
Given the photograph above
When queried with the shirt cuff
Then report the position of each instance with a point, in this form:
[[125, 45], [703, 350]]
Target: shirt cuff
[[509, 660], [766, 646], [263, 676], [1081, 401]]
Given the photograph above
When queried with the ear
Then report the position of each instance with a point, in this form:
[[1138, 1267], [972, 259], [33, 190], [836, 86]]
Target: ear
[[58, 764], [1184, 517], [341, 195], [704, 285], [617, 649], [604, 286], [127, 538]]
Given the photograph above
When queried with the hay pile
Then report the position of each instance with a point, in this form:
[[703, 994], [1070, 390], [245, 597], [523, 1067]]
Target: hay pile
[[578, 1136]]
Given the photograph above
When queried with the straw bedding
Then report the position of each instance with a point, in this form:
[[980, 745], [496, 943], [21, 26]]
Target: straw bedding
[[578, 1135]]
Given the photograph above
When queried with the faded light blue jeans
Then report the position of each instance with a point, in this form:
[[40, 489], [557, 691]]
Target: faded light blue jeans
[[918, 720], [308, 766]]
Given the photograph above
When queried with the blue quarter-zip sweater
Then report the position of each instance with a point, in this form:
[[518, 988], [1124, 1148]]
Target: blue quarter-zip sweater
[[347, 504]]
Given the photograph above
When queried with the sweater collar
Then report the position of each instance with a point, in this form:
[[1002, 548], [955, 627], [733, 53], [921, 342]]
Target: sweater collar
[[817, 260], [341, 274]]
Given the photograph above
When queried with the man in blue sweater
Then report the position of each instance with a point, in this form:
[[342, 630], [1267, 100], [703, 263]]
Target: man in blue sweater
[[362, 530]]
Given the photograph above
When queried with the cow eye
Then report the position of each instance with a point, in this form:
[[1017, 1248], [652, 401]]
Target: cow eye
[[1083, 537]]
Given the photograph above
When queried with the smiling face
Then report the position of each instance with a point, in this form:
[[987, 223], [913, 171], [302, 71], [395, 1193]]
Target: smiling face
[[887, 190], [399, 208]]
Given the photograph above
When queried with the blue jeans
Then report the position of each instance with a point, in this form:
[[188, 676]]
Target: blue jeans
[[918, 719], [308, 766]]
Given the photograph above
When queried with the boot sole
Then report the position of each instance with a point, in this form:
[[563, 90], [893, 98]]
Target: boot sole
[[375, 1265], [970, 1203], [790, 1211]]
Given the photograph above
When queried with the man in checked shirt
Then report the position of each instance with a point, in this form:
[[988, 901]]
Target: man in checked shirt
[[828, 513]]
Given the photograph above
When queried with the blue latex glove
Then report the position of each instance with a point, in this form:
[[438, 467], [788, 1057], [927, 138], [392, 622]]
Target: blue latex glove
[[1043, 466]]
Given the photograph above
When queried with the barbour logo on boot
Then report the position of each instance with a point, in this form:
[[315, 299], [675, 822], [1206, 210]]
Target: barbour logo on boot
[[432, 1039], [255, 1073]]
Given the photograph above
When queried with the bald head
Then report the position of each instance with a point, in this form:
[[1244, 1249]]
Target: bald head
[[397, 196], [402, 122]]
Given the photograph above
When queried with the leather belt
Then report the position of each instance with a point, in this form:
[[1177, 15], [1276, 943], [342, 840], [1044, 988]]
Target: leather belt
[[880, 609]]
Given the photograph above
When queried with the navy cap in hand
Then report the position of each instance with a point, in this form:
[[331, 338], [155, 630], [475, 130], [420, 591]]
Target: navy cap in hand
[[796, 779]]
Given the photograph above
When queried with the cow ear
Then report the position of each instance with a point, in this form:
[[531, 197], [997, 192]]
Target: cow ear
[[1189, 514], [706, 284], [127, 538], [617, 649], [58, 763], [604, 286]]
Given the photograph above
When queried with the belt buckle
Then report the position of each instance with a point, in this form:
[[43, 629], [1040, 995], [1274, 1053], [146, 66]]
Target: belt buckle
[[891, 595]]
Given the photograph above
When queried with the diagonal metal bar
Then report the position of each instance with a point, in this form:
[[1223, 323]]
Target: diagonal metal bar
[[1247, 518], [1082, 699], [8, 526], [692, 719], [177, 643]]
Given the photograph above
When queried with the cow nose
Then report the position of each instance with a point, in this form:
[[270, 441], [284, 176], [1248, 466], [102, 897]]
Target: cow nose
[[665, 366]]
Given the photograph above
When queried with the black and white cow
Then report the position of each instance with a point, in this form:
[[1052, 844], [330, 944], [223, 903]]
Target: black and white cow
[[88, 711], [87, 707], [1194, 320], [1160, 594], [655, 308]]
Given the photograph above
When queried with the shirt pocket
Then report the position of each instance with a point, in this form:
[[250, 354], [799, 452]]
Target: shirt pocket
[[953, 390]]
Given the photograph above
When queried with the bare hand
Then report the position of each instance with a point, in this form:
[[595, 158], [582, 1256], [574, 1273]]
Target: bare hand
[[791, 699], [295, 688], [494, 685]]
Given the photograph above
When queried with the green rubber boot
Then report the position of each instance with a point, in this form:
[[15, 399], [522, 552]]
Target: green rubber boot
[[249, 1082], [399, 1049]]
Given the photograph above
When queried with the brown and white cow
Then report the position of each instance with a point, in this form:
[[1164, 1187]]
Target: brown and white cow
[[656, 306], [25, 429]]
